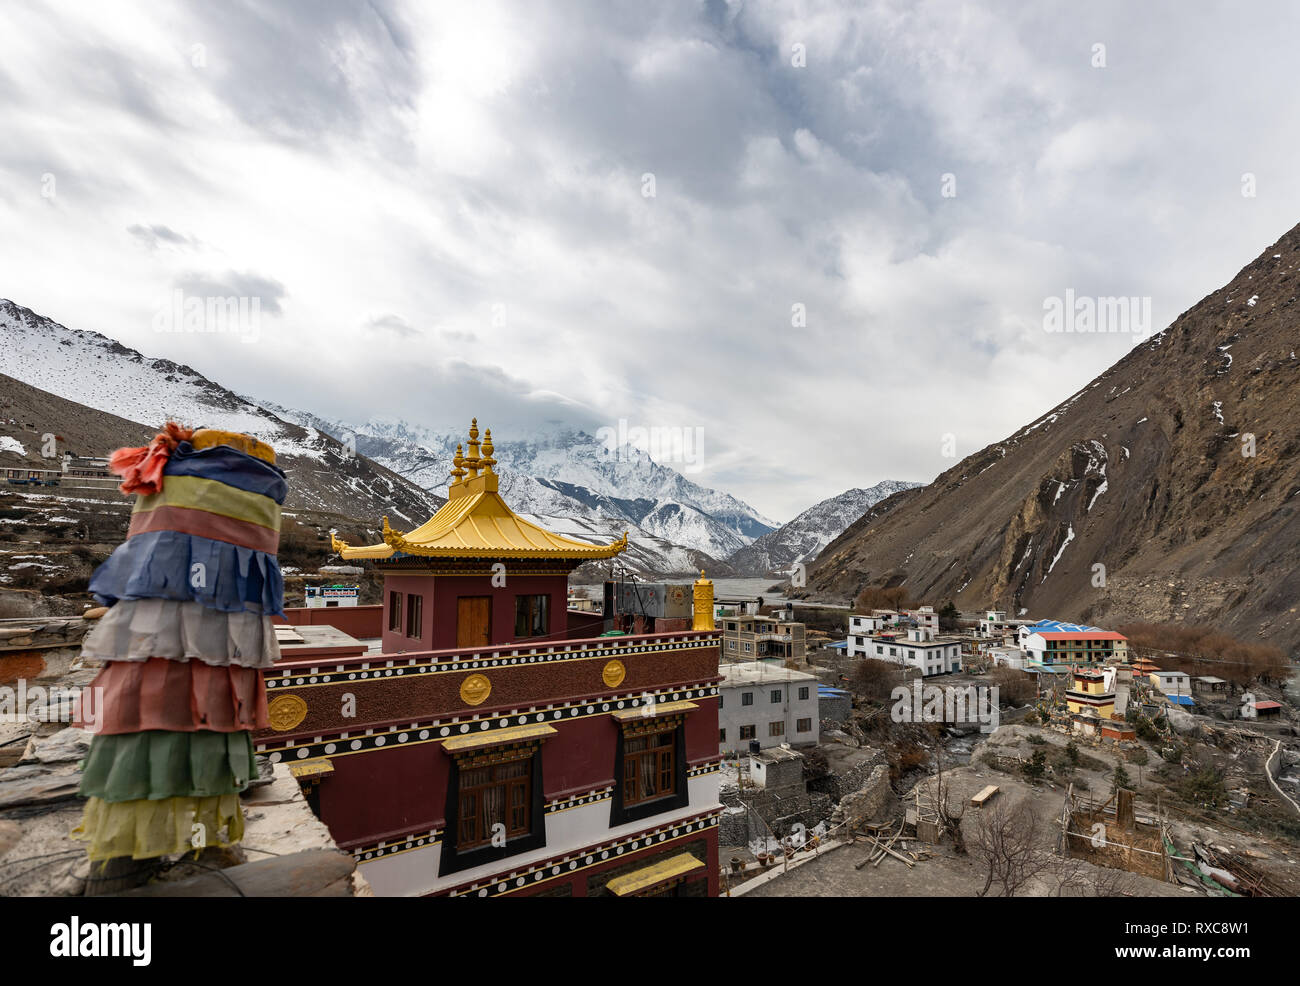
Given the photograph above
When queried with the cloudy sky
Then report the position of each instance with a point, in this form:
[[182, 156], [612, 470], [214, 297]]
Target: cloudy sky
[[824, 233]]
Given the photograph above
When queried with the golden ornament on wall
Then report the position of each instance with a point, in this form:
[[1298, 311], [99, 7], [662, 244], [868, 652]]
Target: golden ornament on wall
[[613, 674], [285, 712], [475, 689]]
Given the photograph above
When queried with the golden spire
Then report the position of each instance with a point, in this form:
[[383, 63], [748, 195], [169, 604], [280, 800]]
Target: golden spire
[[488, 461], [472, 460], [458, 473]]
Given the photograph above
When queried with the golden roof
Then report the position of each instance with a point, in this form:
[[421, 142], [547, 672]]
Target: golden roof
[[649, 877], [476, 523]]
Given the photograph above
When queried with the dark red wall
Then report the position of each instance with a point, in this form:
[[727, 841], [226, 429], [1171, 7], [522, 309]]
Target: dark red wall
[[383, 793], [356, 621], [583, 624], [440, 593]]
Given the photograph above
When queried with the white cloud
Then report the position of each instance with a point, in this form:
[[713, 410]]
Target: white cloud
[[447, 203]]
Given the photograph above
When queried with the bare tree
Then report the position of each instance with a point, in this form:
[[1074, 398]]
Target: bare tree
[[1006, 844], [1068, 876]]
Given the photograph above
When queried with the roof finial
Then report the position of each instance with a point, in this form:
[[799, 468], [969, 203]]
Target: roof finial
[[488, 461], [472, 460], [458, 473]]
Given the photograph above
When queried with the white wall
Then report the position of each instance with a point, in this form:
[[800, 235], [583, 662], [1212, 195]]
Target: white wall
[[733, 713]]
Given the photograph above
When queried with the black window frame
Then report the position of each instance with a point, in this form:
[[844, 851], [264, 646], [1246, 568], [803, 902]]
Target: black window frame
[[526, 606], [453, 859], [620, 813]]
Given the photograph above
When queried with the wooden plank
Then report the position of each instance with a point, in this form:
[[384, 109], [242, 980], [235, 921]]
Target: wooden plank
[[988, 791]]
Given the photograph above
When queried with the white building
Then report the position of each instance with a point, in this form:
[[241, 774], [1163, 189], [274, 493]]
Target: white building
[[920, 648], [767, 703], [925, 617], [860, 629], [1172, 682], [1006, 657]]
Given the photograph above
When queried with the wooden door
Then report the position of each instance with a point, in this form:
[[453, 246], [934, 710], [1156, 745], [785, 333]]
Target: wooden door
[[473, 621]]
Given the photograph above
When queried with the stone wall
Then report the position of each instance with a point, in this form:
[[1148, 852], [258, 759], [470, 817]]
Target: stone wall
[[874, 800], [838, 785]]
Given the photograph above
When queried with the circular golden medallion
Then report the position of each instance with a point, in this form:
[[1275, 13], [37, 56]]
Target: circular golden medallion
[[475, 689], [614, 673], [285, 712]]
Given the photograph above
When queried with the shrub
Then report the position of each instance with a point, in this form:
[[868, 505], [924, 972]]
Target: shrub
[[1036, 765]]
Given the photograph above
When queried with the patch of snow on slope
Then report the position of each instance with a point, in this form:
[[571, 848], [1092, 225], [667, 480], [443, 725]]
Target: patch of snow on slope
[[1064, 544]]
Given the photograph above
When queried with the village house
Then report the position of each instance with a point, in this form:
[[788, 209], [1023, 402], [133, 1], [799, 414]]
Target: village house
[[766, 704], [919, 648], [762, 638], [1052, 642], [1172, 682]]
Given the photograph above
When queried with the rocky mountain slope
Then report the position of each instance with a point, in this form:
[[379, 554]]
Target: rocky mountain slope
[[1167, 489], [804, 537], [89, 389]]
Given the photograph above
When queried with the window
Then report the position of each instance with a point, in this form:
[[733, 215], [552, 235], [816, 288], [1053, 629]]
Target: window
[[492, 795], [731, 645], [532, 616], [803, 726], [649, 766], [748, 647], [746, 698], [776, 728], [413, 607], [722, 736], [721, 696], [803, 693], [395, 612], [746, 732], [776, 695]]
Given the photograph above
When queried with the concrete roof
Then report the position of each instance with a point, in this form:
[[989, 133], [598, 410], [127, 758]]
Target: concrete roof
[[756, 672]]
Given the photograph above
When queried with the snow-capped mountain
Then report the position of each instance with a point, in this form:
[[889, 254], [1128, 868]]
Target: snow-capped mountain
[[567, 480], [804, 537], [97, 373], [572, 475]]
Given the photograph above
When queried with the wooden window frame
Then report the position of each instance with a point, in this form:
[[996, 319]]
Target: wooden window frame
[[750, 735], [394, 611], [661, 751], [414, 615], [803, 725], [776, 728], [472, 828]]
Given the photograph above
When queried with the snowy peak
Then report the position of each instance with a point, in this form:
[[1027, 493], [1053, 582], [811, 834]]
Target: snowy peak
[[88, 370], [803, 538], [571, 474]]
